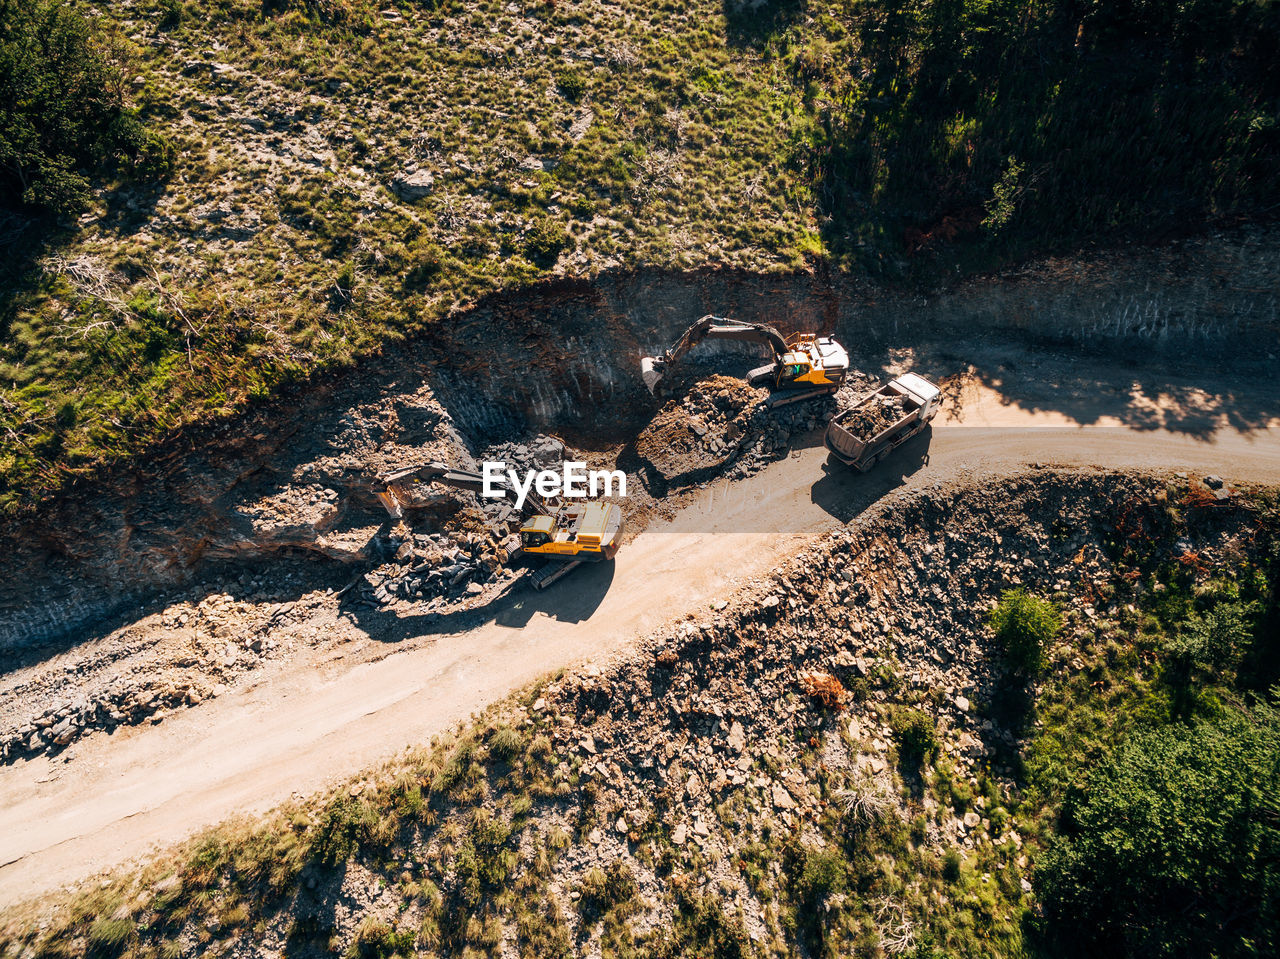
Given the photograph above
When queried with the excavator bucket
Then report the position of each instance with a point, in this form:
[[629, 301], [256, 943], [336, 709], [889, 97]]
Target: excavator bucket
[[388, 499], [650, 372]]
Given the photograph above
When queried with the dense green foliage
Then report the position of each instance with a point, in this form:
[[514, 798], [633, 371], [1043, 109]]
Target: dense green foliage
[[1174, 848], [62, 109], [1037, 123], [1023, 626]]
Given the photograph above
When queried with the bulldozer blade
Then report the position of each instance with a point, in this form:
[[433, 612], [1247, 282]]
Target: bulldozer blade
[[650, 373]]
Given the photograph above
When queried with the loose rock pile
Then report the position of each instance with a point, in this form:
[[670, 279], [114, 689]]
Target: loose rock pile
[[729, 729], [876, 416], [473, 549], [192, 651], [721, 426]]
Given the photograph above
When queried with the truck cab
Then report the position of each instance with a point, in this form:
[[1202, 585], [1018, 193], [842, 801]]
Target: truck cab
[[928, 396]]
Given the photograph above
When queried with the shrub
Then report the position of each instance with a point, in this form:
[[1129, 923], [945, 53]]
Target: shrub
[[426, 262], [824, 688], [171, 12], [1210, 642], [375, 939], [108, 937], [1023, 626], [605, 889], [344, 285], [345, 824], [544, 241], [61, 110], [1173, 845], [485, 858], [336, 12], [571, 84], [916, 732], [998, 111], [823, 875], [952, 862], [505, 743]]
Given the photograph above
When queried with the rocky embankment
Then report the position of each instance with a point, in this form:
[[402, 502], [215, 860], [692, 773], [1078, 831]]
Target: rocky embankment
[[775, 718], [708, 772]]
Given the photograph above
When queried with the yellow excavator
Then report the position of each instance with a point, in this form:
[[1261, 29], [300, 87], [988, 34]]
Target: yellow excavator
[[804, 364], [567, 533]]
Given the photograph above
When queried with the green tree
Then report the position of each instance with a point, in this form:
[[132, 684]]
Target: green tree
[[62, 110], [1173, 849]]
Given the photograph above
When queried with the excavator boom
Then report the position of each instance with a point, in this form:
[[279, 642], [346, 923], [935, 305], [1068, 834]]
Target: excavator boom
[[710, 327], [392, 488], [802, 361]]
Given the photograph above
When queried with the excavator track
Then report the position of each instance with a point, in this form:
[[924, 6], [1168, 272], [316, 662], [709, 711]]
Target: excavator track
[[786, 399], [544, 576]]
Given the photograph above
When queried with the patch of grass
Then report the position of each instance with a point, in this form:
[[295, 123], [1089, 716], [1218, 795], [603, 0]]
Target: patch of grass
[[377, 939], [110, 937], [916, 732], [893, 139]]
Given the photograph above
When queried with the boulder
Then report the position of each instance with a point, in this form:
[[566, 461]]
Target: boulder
[[413, 186]]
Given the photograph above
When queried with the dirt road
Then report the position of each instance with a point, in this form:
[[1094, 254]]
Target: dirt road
[[297, 732]]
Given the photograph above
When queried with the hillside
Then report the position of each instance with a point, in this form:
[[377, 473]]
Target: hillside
[[320, 177], [850, 758], [1012, 691]]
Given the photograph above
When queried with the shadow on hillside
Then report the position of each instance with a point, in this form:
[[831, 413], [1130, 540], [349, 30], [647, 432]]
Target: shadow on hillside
[[895, 202], [23, 241], [982, 384], [753, 22]]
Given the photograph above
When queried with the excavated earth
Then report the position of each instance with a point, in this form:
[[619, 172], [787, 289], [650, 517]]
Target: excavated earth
[[705, 738], [160, 585]]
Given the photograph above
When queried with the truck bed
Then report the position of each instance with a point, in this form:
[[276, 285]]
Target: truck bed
[[856, 432]]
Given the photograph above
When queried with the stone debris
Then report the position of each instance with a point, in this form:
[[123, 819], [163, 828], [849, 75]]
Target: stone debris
[[876, 416]]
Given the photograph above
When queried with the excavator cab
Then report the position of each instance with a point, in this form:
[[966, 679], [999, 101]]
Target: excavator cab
[[537, 532], [792, 367], [804, 364]]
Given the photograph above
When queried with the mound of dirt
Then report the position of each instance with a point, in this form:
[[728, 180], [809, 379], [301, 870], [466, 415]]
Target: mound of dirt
[[700, 430]]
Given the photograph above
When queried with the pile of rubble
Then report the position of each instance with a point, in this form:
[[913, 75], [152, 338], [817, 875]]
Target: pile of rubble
[[437, 568], [472, 550], [192, 651], [720, 426], [876, 416]]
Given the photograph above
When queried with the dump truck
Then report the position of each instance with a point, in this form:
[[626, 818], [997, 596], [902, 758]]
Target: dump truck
[[867, 432], [804, 365], [567, 533]]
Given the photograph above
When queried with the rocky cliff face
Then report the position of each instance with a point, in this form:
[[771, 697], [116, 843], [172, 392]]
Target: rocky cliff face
[[563, 357]]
